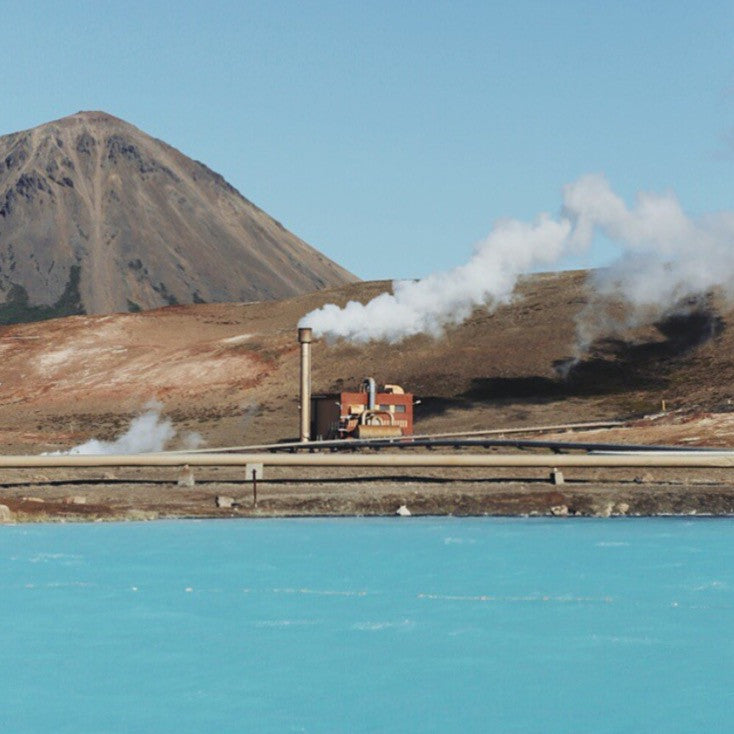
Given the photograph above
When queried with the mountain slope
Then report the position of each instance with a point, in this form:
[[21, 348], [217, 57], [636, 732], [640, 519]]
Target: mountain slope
[[96, 216]]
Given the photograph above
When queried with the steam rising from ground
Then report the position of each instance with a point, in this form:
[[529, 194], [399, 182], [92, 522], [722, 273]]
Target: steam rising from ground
[[666, 257], [148, 432], [669, 261]]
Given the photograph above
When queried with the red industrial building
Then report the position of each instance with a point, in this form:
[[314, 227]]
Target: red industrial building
[[364, 414]]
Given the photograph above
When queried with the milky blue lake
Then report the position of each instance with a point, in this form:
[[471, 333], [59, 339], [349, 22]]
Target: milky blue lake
[[368, 625]]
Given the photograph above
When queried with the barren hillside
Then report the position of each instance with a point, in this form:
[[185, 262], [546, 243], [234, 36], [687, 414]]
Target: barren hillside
[[230, 371]]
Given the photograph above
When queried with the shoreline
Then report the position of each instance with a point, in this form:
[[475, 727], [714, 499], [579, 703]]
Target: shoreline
[[144, 500], [196, 518]]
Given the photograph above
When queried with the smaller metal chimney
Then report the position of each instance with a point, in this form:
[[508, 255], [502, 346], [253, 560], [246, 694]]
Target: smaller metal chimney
[[304, 338], [370, 387]]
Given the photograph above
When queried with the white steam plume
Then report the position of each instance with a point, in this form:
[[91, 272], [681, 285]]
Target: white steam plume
[[666, 256], [147, 433], [428, 305]]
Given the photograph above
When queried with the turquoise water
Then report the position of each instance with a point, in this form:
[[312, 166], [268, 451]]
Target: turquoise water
[[367, 625]]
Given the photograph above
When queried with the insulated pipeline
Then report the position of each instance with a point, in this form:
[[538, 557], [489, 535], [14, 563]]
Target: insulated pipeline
[[698, 460]]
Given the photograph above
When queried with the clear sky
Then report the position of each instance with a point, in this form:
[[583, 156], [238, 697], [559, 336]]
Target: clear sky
[[391, 135]]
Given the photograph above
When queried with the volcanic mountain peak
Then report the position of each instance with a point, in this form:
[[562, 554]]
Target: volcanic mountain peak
[[96, 216], [89, 116]]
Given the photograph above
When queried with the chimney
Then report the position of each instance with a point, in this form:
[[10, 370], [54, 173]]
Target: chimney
[[304, 338]]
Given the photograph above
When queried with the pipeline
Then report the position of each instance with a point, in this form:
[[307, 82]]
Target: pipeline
[[683, 460], [404, 440]]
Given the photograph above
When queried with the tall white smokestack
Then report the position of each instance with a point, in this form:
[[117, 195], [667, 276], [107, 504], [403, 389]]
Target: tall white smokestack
[[304, 338]]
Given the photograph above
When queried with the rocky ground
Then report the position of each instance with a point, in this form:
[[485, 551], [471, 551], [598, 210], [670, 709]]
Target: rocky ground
[[146, 494], [230, 373]]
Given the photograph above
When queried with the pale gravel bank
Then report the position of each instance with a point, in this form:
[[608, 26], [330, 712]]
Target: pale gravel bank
[[220, 494]]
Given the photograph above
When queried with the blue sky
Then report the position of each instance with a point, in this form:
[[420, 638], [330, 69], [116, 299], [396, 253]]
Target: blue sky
[[391, 135]]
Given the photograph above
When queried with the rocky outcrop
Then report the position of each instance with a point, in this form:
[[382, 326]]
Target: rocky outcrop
[[6, 515]]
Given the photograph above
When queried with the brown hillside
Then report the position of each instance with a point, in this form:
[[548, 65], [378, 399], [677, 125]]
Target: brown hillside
[[97, 217], [230, 371]]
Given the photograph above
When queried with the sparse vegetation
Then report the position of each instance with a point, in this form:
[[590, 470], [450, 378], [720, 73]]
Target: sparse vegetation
[[17, 308]]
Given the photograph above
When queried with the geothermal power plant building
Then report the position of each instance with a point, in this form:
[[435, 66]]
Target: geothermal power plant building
[[365, 413]]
